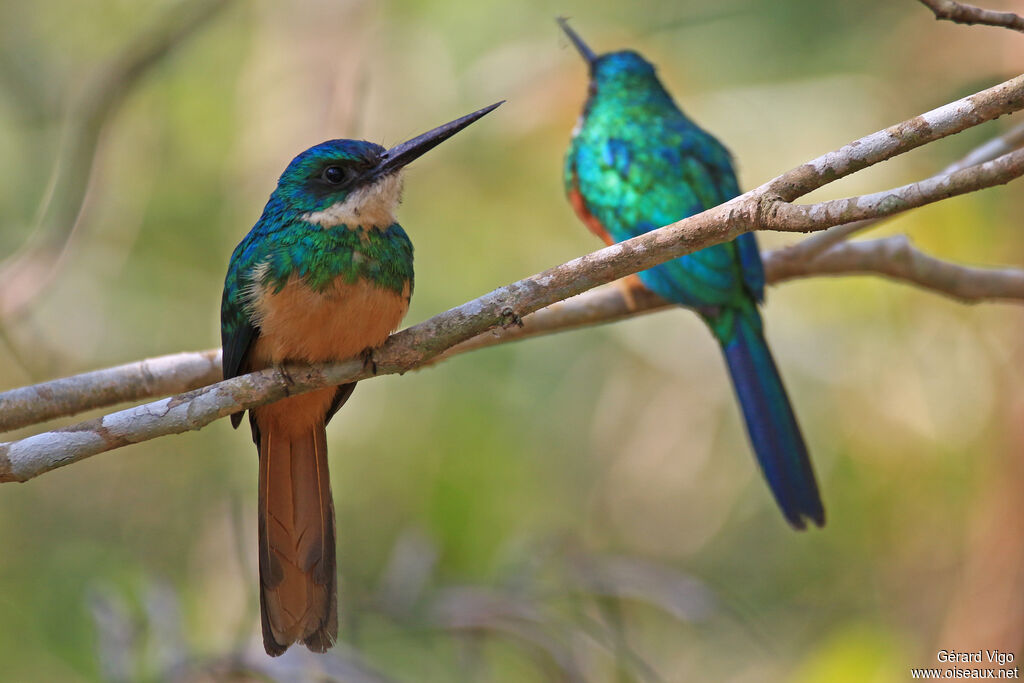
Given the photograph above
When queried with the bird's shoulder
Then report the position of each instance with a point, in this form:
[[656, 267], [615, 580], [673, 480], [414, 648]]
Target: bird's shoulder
[[638, 175]]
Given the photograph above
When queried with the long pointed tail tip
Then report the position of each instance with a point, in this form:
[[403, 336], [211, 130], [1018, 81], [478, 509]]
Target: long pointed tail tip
[[800, 501], [804, 510], [807, 513], [770, 421], [798, 519]]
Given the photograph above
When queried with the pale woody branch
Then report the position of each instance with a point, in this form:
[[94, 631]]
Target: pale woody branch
[[897, 258], [962, 13], [161, 376], [893, 257], [802, 218], [815, 244], [766, 207], [936, 124]]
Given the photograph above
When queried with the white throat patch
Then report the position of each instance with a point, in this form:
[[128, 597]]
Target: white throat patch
[[369, 207]]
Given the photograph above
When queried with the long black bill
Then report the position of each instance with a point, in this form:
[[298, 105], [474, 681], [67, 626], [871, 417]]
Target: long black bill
[[400, 155], [582, 47]]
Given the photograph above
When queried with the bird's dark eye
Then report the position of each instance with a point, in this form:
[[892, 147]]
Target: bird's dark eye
[[334, 174]]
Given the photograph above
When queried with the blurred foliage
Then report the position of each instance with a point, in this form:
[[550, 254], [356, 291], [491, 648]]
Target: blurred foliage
[[514, 467]]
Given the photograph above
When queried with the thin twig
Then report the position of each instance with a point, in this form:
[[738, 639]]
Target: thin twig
[[815, 244], [936, 124], [962, 13], [897, 258], [161, 376], [806, 217]]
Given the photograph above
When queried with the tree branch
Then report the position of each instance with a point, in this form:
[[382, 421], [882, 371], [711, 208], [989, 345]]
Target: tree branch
[[962, 13], [1009, 141], [898, 259], [161, 376], [936, 124], [766, 207], [894, 257], [803, 218]]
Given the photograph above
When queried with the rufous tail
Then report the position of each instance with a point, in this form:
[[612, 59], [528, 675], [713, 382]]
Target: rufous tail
[[298, 580]]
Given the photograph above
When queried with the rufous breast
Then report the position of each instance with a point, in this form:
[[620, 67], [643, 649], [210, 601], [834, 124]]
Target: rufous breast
[[299, 323]]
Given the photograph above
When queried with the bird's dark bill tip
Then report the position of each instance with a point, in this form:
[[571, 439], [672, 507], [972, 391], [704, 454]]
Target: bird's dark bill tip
[[489, 108], [458, 124], [400, 155]]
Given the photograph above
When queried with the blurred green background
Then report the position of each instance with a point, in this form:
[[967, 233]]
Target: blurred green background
[[578, 507]]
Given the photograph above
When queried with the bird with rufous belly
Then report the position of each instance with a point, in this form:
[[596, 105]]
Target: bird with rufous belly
[[325, 274]]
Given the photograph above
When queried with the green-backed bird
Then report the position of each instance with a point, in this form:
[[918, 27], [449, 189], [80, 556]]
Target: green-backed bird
[[325, 274], [636, 163]]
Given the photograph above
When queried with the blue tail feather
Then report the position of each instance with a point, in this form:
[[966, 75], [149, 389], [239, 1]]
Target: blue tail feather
[[771, 423]]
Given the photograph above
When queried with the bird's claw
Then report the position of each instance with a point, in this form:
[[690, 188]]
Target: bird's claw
[[369, 362], [627, 288], [509, 318], [285, 375], [289, 381]]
